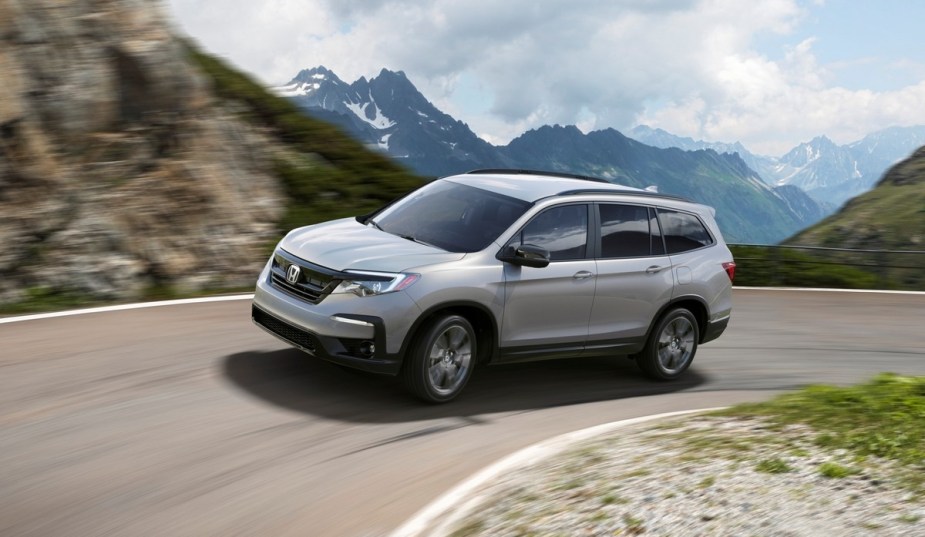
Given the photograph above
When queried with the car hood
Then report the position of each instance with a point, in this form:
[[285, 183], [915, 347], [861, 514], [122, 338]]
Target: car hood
[[347, 244]]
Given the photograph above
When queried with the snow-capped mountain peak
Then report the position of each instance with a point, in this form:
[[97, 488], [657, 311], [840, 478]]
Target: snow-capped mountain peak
[[307, 82], [388, 113]]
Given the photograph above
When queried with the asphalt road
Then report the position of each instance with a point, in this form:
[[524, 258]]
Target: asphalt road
[[190, 421]]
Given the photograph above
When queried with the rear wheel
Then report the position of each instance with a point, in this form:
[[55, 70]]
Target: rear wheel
[[671, 346], [441, 359]]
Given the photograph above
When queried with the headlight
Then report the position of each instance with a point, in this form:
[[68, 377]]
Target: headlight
[[376, 283]]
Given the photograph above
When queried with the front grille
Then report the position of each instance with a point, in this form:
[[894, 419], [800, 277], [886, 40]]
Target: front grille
[[311, 285], [298, 337]]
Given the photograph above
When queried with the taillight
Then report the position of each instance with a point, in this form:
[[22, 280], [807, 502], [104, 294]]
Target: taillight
[[730, 269]]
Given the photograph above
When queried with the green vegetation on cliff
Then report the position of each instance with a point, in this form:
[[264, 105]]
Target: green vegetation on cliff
[[326, 173], [891, 217]]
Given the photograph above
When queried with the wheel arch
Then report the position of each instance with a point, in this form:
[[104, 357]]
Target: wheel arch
[[481, 318], [694, 304]]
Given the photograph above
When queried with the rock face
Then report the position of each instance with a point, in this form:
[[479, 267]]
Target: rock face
[[119, 172]]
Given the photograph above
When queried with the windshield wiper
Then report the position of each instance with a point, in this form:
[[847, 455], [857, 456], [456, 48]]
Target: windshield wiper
[[375, 225], [419, 241]]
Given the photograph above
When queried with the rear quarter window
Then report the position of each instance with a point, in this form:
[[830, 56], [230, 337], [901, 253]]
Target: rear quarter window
[[683, 231]]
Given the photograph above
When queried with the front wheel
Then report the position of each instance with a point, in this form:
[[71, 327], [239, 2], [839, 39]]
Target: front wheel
[[671, 345], [441, 359]]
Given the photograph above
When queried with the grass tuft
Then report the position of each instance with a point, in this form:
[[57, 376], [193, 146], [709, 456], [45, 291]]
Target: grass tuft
[[773, 466], [833, 470]]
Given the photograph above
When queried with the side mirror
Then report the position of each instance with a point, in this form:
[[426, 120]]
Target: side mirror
[[526, 255]]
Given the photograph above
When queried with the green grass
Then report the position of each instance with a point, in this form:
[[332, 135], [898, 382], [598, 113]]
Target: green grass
[[884, 417], [909, 518], [634, 525], [773, 466], [612, 498], [833, 470]]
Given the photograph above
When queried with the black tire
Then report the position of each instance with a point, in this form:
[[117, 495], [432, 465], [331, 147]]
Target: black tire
[[441, 359], [671, 346]]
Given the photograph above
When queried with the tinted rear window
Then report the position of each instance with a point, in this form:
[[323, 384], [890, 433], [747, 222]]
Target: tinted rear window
[[683, 231]]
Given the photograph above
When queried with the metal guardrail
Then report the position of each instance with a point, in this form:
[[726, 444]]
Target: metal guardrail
[[783, 264]]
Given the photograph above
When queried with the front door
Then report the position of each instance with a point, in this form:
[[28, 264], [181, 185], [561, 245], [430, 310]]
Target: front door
[[546, 310]]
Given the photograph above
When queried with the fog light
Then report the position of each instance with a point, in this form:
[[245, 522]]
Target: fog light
[[368, 348]]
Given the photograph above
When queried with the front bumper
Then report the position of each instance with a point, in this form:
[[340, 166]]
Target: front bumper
[[360, 332], [348, 352]]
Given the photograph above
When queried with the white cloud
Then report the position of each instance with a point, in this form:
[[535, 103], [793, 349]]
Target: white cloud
[[688, 66]]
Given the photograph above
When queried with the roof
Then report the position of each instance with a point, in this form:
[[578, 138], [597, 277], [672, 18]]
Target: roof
[[535, 185], [532, 186]]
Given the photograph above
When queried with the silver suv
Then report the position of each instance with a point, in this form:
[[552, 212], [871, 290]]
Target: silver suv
[[498, 266]]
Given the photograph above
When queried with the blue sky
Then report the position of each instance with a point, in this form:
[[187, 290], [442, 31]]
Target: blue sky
[[768, 73], [869, 45]]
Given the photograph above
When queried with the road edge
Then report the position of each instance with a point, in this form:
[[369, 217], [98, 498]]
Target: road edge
[[122, 307], [460, 500]]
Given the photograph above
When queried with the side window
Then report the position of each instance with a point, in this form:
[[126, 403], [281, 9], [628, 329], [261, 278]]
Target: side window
[[624, 231], [562, 230], [683, 231]]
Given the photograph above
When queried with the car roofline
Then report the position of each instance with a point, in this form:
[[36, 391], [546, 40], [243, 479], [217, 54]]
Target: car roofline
[[617, 190], [506, 171], [639, 193]]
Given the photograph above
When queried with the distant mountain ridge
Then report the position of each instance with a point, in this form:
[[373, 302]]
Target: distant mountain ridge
[[389, 113], [830, 173]]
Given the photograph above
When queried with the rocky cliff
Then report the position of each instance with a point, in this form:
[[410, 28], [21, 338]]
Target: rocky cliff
[[123, 173]]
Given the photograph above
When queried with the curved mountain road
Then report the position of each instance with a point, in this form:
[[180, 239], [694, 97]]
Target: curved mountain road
[[190, 421]]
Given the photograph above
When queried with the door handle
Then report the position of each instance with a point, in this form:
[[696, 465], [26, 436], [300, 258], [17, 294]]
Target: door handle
[[654, 269], [582, 275]]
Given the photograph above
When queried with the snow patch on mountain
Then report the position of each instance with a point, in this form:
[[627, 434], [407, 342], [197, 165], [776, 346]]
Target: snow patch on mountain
[[297, 89], [383, 144], [363, 112]]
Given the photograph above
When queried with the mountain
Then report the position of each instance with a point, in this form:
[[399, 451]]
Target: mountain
[[888, 217], [831, 174], [133, 166], [748, 210], [389, 113], [664, 139]]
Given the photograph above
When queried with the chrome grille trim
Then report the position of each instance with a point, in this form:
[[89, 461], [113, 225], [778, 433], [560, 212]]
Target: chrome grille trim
[[314, 282]]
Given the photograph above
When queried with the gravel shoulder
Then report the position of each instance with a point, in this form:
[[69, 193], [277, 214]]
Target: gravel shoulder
[[701, 475]]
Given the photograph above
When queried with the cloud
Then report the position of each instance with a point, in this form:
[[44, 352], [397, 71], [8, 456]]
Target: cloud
[[688, 66]]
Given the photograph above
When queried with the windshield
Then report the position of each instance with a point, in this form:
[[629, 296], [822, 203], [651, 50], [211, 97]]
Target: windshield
[[451, 216]]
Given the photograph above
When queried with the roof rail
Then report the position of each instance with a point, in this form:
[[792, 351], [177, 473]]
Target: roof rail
[[537, 172], [640, 193]]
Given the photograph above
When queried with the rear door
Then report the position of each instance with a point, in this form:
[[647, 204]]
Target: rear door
[[688, 243], [546, 310], [634, 276]]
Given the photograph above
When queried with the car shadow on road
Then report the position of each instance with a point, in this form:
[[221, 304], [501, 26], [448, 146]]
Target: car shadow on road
[[293, 380]]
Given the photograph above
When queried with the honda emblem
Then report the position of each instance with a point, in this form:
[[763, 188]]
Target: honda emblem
[[292, 274]]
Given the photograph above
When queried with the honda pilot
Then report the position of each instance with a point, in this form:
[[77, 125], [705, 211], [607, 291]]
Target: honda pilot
[[499, 266]]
